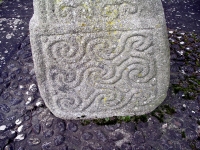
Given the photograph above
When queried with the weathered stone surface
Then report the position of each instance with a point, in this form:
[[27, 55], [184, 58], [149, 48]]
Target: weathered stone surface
[[100, 58]]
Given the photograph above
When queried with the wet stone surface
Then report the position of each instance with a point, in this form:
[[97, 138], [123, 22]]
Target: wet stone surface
[[14, 21], [26, 123]]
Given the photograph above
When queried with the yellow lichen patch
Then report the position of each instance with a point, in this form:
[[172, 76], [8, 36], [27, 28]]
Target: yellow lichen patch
[[100, 59], [158, 25], [85, 5], [57, 1], [63, 7], [83, 24], [111, 12], [115, 32], [110, 23], [105, 99], [139, 75], [109, 26]]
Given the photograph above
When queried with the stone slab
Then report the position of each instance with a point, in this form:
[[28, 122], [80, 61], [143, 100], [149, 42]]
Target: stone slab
[[100, 58]]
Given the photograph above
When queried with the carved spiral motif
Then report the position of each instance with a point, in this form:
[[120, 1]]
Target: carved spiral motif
[[67, 51], [128, 9], [84, 11], [65, 79], [103, 48], [68, 101], [105, 62], [106, 98], [138, 41], [134, 67], [139, 70], [109, 98]]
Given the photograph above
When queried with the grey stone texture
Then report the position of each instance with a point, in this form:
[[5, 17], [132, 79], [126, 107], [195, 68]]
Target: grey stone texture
[[100, 58]]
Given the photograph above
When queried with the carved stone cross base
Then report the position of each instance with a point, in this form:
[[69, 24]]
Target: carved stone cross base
[[100, 58]]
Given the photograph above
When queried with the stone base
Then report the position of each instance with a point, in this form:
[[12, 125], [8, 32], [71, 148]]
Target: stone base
[[97, 59]]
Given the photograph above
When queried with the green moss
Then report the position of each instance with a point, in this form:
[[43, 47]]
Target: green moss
[[190, 92], [183, 134], [115, 120], [158, 114], [125, 118], [168, 110], [106, 121], [142, 118], [193, 145], [85, 122], [1, 1], [198, 122]]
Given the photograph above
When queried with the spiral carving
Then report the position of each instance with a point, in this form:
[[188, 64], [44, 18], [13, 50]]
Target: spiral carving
[[82, 10], [128, 9], [139, 42], [108, 98], [139, 70], [103, 47], [65, 79], [68, 50], [68, 101], [115, 67]]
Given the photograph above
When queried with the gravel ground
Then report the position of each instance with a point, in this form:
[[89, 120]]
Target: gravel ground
[[26, 123]]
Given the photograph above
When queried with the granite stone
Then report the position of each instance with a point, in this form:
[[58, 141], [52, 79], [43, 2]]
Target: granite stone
[[100, 58]]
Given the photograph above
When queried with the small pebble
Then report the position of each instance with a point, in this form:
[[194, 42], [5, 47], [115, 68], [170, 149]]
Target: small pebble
[[33, 141], [18, 121], [20, 137], [164, 126], [59, 140], [72, 127], [2, 128], [179, 37], [30, 99], [49, 122], [87, 136], [40, 103], [4, 108], [180, 52], [37, 128], [182, 33], [33, 87], [20, 128], [21, 86], [183, 71], [48, 133]]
